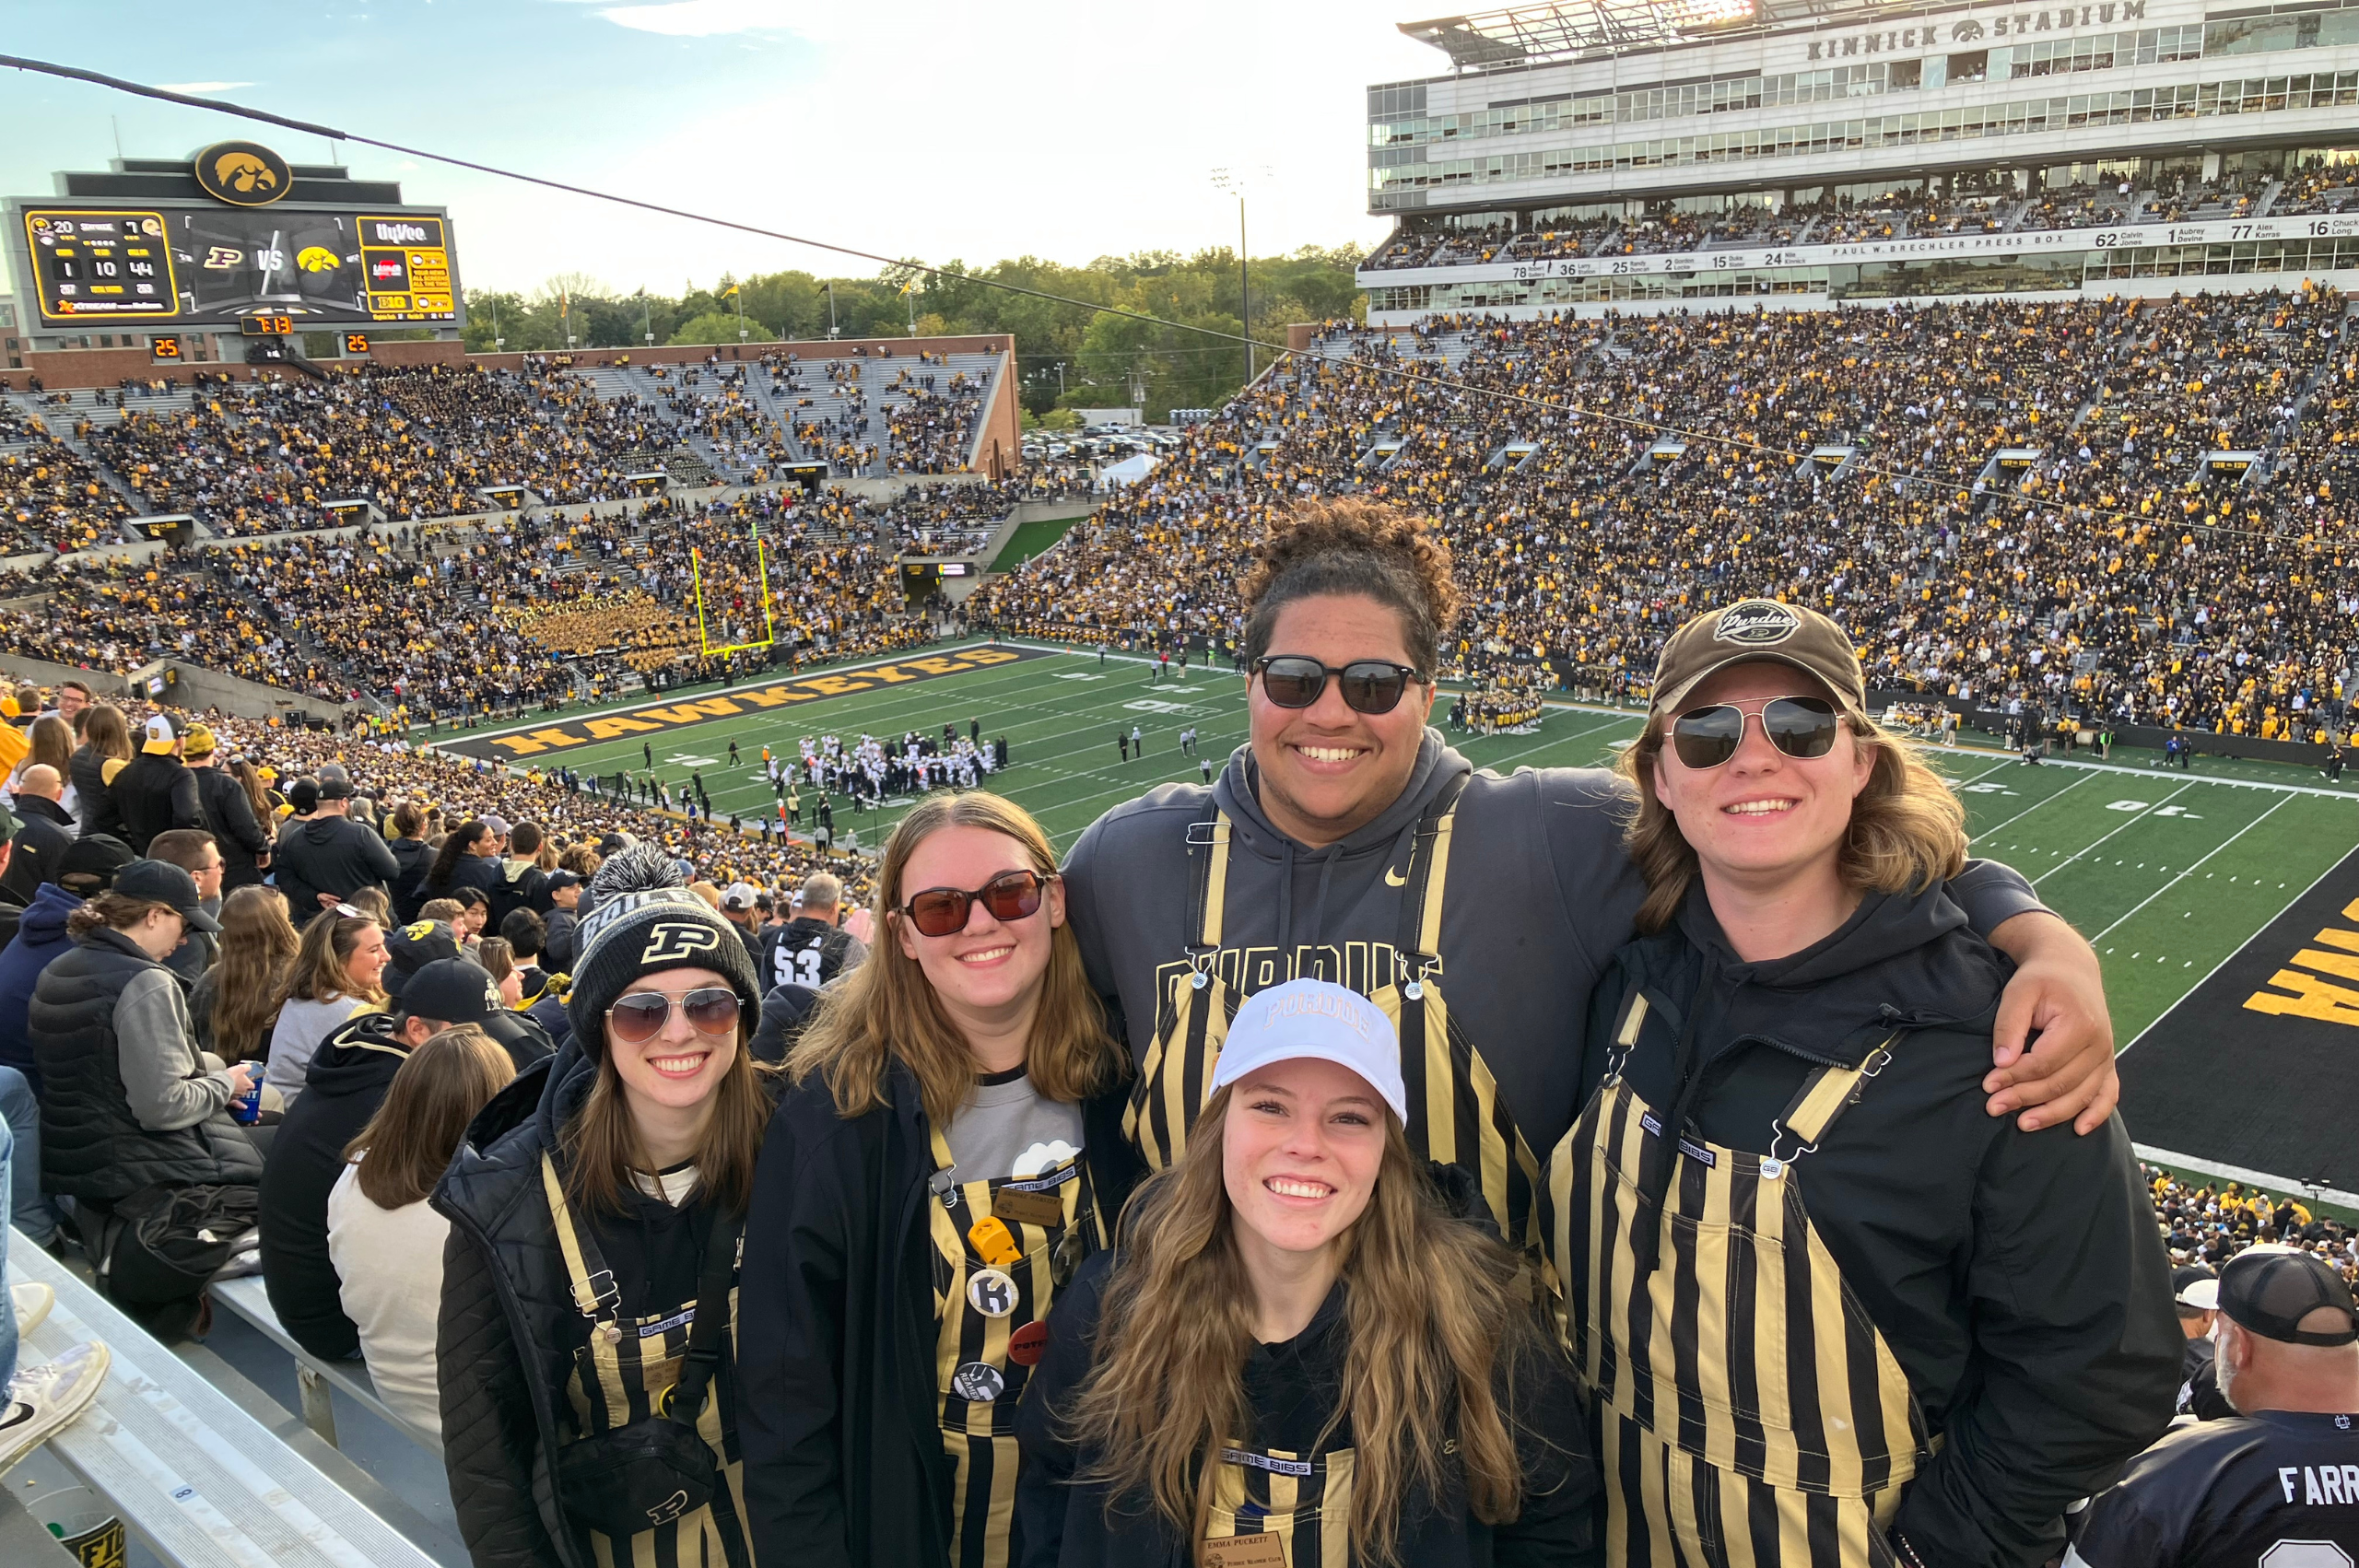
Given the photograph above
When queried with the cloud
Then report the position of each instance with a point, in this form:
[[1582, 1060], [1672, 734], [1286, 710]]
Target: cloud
[[202, 87], [708, 18]]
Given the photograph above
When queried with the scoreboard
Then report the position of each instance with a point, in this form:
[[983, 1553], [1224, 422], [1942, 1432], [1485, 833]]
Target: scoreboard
[[188, 262]]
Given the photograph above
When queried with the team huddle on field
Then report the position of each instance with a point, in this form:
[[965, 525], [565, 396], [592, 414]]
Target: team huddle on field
[[1359, 1159]]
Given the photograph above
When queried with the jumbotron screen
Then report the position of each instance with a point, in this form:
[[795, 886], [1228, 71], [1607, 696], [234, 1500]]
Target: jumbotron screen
[[175, 263]]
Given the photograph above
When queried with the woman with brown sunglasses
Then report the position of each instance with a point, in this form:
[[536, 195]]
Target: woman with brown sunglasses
[[950, 1151]]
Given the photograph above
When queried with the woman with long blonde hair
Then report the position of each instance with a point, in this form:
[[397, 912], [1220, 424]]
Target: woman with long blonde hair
[[1303, 1351], [1805, 1273], [235, 1002], [949, 1151]]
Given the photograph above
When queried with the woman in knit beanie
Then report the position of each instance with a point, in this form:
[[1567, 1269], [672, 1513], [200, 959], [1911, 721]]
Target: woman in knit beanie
[[587, 1340]]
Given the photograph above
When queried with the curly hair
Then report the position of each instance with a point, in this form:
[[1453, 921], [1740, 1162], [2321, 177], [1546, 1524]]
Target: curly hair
[[1350, 546]]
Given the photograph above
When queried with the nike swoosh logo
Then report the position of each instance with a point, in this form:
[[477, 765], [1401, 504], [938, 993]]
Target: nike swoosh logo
[[1395, 878]]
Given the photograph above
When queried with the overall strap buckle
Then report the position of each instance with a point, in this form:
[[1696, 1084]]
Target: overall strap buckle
[[1200, 833], [597, 1295]]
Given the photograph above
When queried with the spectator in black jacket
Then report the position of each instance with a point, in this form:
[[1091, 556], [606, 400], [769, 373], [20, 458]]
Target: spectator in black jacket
[[521, 884], [1809, 1004], [469, 857], [411, 856], [565, 896], [104, 752], [343, 1087], [155, 792], [44, 832], [228, 812], [653, 1167], [1297, 1298], [325, 859], [812, 948]]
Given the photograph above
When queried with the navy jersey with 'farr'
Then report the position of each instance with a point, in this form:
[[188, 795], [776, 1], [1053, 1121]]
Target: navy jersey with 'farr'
[[2277, 1490]]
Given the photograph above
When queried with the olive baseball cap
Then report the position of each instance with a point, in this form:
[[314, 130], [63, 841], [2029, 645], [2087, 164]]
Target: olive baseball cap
[[1755, 629]]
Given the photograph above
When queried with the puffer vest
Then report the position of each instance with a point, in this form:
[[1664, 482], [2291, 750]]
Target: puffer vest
[[93, 1149]]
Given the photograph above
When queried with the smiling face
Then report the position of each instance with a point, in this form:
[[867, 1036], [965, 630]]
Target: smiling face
[[1763, 815], [678, 1069], [366, 963], [1300, 1148], [991, 965], [1328, 770]]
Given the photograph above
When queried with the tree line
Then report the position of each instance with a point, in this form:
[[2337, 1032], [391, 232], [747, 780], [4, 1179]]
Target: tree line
[[1070, 356]]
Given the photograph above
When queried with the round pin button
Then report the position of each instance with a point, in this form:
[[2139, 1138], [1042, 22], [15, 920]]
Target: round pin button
[[1772, 1168], [978, 1383], [1199, 979], [1028, 1344], [992, 1292]]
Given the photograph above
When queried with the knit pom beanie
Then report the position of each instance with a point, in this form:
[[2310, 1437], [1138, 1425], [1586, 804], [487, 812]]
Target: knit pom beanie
[[643, 920]]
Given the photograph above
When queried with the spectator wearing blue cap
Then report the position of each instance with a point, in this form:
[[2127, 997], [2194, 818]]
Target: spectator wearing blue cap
[[1305, 1337]]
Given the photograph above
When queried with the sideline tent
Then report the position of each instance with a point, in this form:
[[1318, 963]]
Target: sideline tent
[[1130, 471]]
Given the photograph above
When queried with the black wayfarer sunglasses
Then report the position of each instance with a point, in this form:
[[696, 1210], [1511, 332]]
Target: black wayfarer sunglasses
[[1369, 685]]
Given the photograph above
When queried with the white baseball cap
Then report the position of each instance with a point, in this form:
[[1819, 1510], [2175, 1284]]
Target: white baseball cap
[[1320, 1021], [741, 895]]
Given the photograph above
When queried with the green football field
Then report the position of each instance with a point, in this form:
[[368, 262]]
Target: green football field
[[2167, 872]]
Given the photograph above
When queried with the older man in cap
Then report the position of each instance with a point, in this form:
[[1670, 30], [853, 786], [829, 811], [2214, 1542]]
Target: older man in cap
[[2275, 1484]]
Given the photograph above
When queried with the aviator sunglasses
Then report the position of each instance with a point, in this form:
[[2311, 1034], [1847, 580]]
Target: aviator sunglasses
[[641, 1016], [1798, 726], [1370, 685], [942, 911]]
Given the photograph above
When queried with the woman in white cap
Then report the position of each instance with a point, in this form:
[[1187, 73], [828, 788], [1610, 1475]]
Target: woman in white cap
[[950, 1152], [1829, 1311], [1305, 1351]]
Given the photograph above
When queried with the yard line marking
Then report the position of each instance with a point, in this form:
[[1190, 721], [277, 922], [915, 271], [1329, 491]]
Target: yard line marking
[[2029, 809], [2190, 871], [2124, 827]]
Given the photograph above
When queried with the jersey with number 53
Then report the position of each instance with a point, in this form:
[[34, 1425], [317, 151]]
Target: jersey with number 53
[[2277, 1490], [809, 952]]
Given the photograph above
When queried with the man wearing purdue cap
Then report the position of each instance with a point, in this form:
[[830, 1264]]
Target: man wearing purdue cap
[[2276, 1485]]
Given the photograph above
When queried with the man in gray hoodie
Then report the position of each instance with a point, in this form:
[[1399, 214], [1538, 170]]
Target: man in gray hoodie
[[1355, 845]]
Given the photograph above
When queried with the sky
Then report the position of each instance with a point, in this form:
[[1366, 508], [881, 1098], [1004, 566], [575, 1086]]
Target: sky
[[924, 128]]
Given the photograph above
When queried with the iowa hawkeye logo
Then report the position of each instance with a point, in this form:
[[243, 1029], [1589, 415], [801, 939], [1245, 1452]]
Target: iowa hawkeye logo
[[244, 174]]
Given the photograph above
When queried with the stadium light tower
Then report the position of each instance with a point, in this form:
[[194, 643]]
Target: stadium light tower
[[1234, 181]]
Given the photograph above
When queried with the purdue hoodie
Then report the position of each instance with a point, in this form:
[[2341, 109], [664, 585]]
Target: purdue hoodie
[[1539, 896]]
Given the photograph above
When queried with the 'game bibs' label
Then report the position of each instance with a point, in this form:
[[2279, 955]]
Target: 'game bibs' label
[[1297, 1468]]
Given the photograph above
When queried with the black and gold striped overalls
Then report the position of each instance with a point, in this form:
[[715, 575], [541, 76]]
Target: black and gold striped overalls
[[987, 1342], [619, 1377], [1457, 1115], [1306, 1503], [1747, 1412]]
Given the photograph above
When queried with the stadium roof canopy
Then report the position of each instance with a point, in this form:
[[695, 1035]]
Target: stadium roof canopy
[[1532, 34]]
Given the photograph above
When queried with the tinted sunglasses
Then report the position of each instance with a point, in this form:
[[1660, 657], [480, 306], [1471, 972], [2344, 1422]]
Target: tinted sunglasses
[[641, 1016], [942, 911], [1369, 685], [1798, 726]]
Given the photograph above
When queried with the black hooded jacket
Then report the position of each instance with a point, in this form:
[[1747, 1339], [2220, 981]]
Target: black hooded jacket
[[154, 793], [413, 857], [509, 1330], [236, 831], [327, 854], [2018, 1277], [342, 1088], [839, 1425]]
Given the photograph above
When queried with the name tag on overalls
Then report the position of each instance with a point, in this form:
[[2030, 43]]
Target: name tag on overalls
[[1264, 1550]]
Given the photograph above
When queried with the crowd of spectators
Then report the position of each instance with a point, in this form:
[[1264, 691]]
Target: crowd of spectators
[[2206, 1222], [2006, 501], [1989, 204]]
